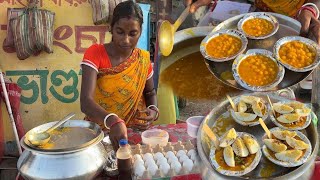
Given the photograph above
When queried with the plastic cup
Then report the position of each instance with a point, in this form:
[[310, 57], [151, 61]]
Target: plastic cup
[[193, 124]]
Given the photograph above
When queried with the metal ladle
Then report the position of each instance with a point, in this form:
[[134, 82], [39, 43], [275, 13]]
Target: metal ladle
[[41, 138], [166, 33]]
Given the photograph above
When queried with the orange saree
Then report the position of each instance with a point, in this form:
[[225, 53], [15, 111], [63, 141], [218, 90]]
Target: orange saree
[[285, 7], [119, 89]]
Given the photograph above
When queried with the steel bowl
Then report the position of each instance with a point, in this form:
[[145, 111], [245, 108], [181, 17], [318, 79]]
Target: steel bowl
[[261, 15], [244, 84], [212, 35], [313, 45]]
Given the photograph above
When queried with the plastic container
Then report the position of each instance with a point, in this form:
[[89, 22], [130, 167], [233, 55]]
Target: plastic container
[[154, 137], [124, 159], [193, 123]]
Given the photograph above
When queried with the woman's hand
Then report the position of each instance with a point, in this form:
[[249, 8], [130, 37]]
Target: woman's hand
[[117, 132], [197, 4], [148, 115], [309, 25]]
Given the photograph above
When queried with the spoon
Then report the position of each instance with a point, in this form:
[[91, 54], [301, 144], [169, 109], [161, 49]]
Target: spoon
[[167, 30], [232, 103], [211, 135], [271, 106], [41, 138]]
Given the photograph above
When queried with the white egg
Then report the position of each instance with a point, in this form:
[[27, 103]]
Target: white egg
[[170, 154], [282, 108], [180, 153], [197, 161], [183, 157], [188, 164], [193, 157], [150, 163], [165, 167], [289, 156], [191, 151], [139, 170], [158, 155], [161, 160], [138, 162], [172, 159], [147, 156], [289, 118], [137, 156], [152, 169], [176, 166], [149, 159], [241, 116]]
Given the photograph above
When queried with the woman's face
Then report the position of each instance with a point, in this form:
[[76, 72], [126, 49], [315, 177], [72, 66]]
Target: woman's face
[[125, 34]]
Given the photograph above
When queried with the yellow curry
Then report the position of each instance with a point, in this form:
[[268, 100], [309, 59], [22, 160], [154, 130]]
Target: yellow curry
[[297, 54], [257, 27], [223, 46], [258, 70], [241, 162]]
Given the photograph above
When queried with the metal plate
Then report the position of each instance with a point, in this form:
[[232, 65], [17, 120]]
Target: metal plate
[[72, 136], [265, 169], [288, 27]]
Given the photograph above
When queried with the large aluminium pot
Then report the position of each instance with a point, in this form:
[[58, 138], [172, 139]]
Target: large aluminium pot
[[83, 160]]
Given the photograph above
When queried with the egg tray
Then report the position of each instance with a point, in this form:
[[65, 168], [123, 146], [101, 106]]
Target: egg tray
[[171, 174]]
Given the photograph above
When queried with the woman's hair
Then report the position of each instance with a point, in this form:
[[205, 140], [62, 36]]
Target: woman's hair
[[127, 9]]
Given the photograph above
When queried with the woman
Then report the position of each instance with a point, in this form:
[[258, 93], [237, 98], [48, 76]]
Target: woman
[[117, 86], [308, 17]]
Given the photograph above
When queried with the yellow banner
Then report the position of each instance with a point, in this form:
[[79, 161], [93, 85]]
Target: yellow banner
[[51, 82]]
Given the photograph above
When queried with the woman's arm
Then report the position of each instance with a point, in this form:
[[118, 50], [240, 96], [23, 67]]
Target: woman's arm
[[88, 105], [97, 113], [309, 23], [149, 93], [151, 111], [316, 2]]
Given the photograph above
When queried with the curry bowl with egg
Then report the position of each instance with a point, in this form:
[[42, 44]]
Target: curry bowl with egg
[[291, 115], [248, 110], [286, 148], [297, 53], [258, 25], [223, 45], [238, 153], [257, 70]]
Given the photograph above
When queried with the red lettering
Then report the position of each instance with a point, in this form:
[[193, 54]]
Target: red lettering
[[80, 36], [8, 1], [70, 2], [58, 2], [81, 1], [62, 33]]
